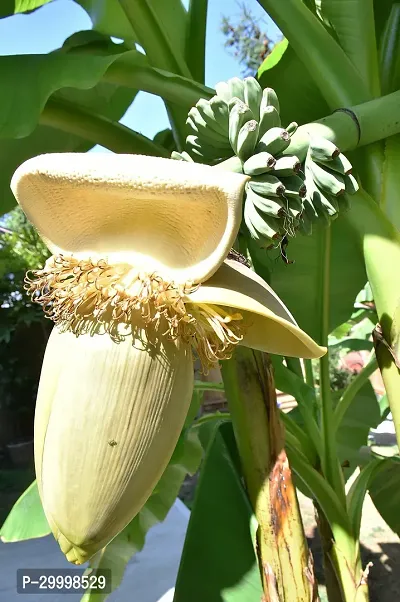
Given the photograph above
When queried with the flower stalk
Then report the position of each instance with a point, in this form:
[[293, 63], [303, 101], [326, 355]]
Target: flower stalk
[[353, 126]]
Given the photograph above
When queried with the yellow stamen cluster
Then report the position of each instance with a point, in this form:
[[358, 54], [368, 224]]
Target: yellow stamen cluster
[[88, 297]]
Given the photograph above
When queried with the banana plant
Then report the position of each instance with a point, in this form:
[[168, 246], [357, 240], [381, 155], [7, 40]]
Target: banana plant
[[298, 173]]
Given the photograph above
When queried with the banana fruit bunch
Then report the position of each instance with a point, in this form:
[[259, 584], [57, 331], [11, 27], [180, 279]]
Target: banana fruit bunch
[[328, 181], [243, 121], [241, 127]]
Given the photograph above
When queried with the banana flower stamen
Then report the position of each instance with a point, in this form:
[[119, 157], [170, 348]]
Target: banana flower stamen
[[73, 292]]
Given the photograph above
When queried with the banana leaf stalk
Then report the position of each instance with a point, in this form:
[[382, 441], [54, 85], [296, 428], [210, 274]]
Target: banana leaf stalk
[[286, 564]]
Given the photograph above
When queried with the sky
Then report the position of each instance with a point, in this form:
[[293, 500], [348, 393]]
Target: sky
[[46, 29]]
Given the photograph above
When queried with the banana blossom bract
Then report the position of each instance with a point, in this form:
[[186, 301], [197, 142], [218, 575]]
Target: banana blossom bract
[[138, 279]]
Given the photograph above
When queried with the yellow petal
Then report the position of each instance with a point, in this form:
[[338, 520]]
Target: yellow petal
[[267, 323], [177, 218], [107, 420]]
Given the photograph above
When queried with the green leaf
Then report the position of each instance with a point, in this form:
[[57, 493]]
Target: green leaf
[[289, 382], [22, 6], [352, 344], [79, 67], [195, 48], [221, 534], [72, 75], [12, 7], [47, 140], [385, 493], [15, 152], [352, 434], [330, 68], [37, 77], [69, 118], [384, 407], [274, 57], [26, 519], [160, 28], [326, 497], [186, 459], [389, 60], [298, 284], [382, 10], [356, 494], [390, 195], [299, 97], [109, 19], [354, 25]]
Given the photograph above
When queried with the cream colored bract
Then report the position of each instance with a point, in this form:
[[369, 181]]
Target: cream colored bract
[[139, 278]]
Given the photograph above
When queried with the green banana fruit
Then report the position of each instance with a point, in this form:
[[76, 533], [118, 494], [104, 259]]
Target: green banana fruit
[[236, 87], [265, 226], [292, 128], [252, 95], [293, 206], [239, 114], [328, 181], [341, 164], [183, 156], [259, 164], [305, 224], [248, 221], [242, 119], [220, 112], [287, 166], [269, 118], [205, 151], [322, 149], [200, 128], [309, 210], [247, 140], [207, 111], [274, 141], [233, 87], [325, 205], [351, 184], [322, 204], [267, 185], [273, 207], [294, 187], [269, 99]]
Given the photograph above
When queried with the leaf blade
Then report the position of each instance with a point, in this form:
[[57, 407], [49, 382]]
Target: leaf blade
[[230, 569], [354, 25], [26, 519]]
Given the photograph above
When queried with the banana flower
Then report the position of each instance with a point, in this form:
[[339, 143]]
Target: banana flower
[[138, 279]]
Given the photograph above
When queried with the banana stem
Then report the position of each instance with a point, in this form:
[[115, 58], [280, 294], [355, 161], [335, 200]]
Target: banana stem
[[352, 127], [285, 564]]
